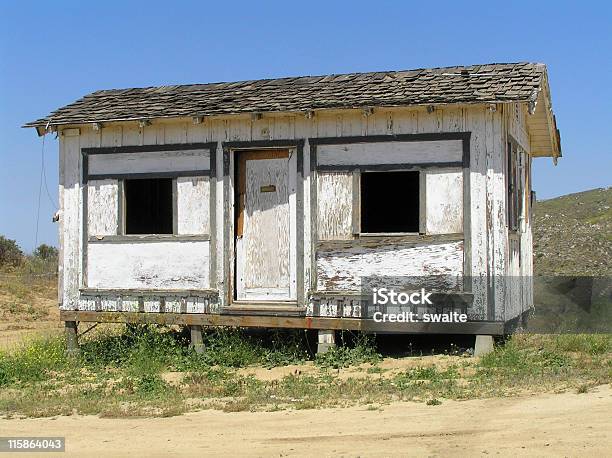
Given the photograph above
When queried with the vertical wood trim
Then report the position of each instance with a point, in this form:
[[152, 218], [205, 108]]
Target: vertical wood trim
[[85, 217], [299, 243], [73, 198], [212, 217], [467, 217], [174, 206], [60, 270], [356, 211], [313, 215], [227, 229], [292, 183], [422, 201], [120, 207], [305, 127]]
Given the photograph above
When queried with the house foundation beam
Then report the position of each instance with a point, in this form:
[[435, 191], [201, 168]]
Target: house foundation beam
[[490, 328]]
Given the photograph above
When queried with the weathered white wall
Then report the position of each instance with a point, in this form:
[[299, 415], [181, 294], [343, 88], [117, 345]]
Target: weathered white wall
[[148, 265], [488, 243], [103, 207], [519, 294], [342, 270], [193, 205], [444, 201], [334, 205]]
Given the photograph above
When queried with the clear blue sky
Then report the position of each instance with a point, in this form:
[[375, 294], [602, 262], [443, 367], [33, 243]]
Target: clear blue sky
[[53, 53]]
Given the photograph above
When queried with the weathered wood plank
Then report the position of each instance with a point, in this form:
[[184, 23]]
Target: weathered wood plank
[[193, 205], [343, 270], [357, 324], [149, 162], [102, 207], [478, 218], [444, 201], [381, 241], [335, 205], [70, 191], [391, 153], [265, 259], [155, 265], [496, 212]]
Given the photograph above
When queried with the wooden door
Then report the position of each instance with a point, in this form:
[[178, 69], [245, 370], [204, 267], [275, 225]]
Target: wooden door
[[263, 257]]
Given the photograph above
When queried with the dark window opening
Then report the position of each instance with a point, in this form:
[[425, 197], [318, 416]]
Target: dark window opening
[[513, 191], [148, 206], [390, 202]]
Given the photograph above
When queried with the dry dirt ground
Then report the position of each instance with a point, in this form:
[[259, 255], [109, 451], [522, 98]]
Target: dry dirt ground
[[28, 308], [566, 424]]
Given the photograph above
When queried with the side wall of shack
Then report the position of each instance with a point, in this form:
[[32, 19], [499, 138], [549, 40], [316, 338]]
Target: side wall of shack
[[94, 256]]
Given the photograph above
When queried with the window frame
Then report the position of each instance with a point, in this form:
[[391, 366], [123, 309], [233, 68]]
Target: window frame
[[516, 184]]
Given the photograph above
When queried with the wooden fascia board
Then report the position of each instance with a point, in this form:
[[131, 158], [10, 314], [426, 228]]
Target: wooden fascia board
[[543, 109]]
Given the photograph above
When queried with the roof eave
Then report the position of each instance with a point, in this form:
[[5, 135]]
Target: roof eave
[[48, 123]]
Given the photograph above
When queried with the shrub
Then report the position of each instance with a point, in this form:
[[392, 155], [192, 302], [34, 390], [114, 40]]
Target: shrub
[[46, 252], [10, 253]]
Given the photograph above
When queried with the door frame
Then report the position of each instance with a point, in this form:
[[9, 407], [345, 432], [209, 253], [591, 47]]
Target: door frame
[[296, 164]]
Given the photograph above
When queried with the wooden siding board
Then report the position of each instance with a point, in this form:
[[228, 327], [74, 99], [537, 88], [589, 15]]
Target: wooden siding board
[[335, 205], [342, 270], [149, 162], [160, 265], [478, 184], [193, 205], [496, 213], [103, 207], [444, 201], [395, 152], [72, 220], [266, 245]]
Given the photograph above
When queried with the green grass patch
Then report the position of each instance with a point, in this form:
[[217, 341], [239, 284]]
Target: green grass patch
[[355, 349], [152, 371]]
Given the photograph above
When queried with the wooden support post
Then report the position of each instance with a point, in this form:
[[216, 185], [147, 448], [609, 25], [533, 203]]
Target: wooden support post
[[196, 339], [327, 340], [483, 345], [72, 343]]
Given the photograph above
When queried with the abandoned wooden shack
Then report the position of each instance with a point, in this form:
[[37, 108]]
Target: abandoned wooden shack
[[268, 203]]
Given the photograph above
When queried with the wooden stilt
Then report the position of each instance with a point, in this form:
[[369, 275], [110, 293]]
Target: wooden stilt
[[327, 340], [197, 342], [72, 343]]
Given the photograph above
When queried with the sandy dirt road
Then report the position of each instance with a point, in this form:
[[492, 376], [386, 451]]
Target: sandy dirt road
[[567, 424]]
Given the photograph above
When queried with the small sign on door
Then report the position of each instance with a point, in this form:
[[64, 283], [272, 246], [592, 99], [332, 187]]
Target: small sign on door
[[268, 188]]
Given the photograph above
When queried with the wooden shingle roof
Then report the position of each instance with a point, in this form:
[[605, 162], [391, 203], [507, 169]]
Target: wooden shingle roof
[[490, 83]]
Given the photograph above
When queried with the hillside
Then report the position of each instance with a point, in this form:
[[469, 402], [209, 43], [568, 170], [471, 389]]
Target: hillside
[[573, 234]]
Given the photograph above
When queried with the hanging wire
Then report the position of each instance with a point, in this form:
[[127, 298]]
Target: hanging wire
[[40, 184], [44, 169], [43, 180]]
